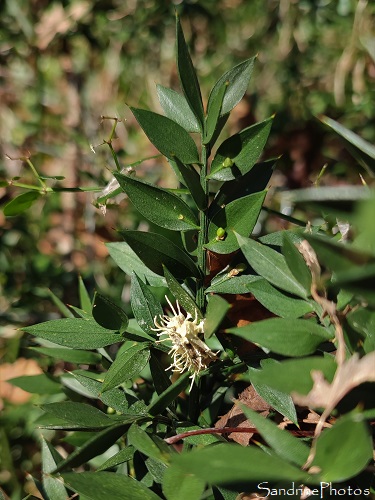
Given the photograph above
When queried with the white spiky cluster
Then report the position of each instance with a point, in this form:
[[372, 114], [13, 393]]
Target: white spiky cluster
[[188, 351]]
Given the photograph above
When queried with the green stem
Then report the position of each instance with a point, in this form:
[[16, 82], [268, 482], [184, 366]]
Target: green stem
[[33, 169], [202, 237]]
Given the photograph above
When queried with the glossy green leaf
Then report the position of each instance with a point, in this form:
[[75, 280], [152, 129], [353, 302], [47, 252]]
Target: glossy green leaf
[[99, 485], [284, 444], [184, 298], [238, 154], [238, 78], [160, 378], [53, 487], [238, 216], [289, 337], [254, 181], [37, 384], [362, 150], [92, 447], [363, 321], [271, 265], [277, 302], [158, 205], [155, 251], [343, 450], [214, 112], [107, 314], [280, 401], [225, 464], [190, 178], [217, 308], [21, 203], [294, 374], [79, 415], [177, 109], [163, 400], [148, 444], [70, 355], [119, 458], [296, 263], [129, 262], [127, 365], [188, 77], [76, 333], [167, 136], [84, 297], [180, 485], [233, 284], [145, 307]]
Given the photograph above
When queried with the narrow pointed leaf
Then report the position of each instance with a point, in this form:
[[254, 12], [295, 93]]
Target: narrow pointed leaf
[[70, 355], [190, 178], [160, 403], [239, 216], [145, 307], [184, 298], [155, 250], [214, 112], [280, 401], [158, 205], [167, 136], [78, 414], [107, 314], [119, 458], [271, 265], [188, 77], [84, 297], [177, 109], [296, 263], [238, 154], [180, 485], [152, 446], [52, 486], [238, 78], [289, 337], [21, 203], [216, 310]]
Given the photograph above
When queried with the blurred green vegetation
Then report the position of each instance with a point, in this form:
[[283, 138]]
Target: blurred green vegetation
[[64, 64]]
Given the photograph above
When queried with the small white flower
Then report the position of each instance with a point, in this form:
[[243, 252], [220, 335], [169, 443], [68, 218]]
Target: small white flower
[[188, 351]]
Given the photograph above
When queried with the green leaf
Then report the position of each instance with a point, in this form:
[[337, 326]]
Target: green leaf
[[180, 485], [293, 375], [53, 487], [363, 321], [254, 181], [158, 205], [280, 401], [129, 262], [177, 109], [284, 444], [238, 154], [99, 485], [127, 365], [296, 263], [217, 308], [37, 384], [229, 464], [119, 458], [70, 355], [190, 178], [232, 284], [107, 314], [160, 403], [160, 378], [167, 136], [65, 311], [84, 297], [188, 76], [214, 112], [78, 414], [144, 305], [21, 203], [93, 446], [184, 298], [362, 150], [359, 281], [150, 445], [277, 302], [239, 216], [155, 251], [76, 333], [238, 78], [271, 265], [289, 337], [343, 450]]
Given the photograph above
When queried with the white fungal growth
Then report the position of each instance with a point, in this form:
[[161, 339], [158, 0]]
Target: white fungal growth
[[188, 351]]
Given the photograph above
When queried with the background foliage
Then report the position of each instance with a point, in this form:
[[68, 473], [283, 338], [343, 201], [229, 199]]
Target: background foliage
[[63, 65]]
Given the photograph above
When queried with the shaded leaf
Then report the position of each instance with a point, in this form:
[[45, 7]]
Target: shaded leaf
[[177, 109], [233, 284], [280, 401], [296, 263], [119, 458], [158, 205], [145, 307], [190, 178], [70, 355], [184, 298], [52, 486], [21, 203], [180, 485], [150, 445], [107, 314], [289, 337], [167, 136], [160, 403], [217, 308], [37, 384]]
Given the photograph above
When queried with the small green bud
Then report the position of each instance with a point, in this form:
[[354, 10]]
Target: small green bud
[[220, 234], [228, 162]]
